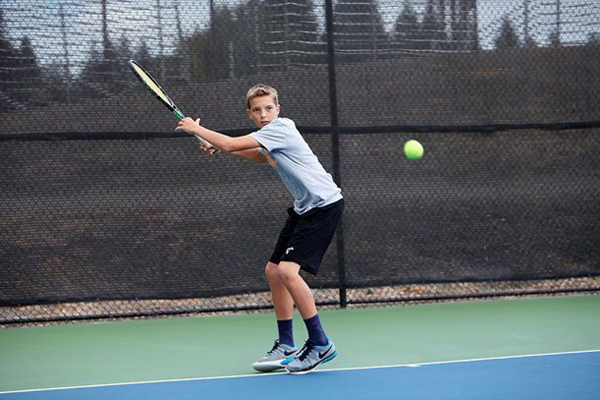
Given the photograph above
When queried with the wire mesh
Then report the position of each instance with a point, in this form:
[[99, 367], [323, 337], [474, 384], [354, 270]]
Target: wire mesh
[[105, 212]]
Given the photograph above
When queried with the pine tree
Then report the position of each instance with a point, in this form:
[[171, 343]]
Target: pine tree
[[221, 38], [358, 29], [210, 50], [124, 49], [406, 35], [290, 30], [7, 56], [143, 56], [593, 39], [507, 37], [248, 39], [197, 44], [29, 71], [554, 38], [89, 77], [433, 27], [464, 25]]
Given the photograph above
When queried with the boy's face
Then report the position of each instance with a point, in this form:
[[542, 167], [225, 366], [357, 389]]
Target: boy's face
[[263, 110]]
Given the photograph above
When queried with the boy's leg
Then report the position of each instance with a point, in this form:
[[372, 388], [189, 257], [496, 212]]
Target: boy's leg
[[282, 300], [289, 274], [319, 348], [284, 348], [283, 304], [304, 300]]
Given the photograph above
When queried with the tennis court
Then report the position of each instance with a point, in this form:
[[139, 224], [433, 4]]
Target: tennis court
[[546, 348]]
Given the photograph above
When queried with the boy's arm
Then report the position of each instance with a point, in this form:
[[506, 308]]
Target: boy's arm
[[253, 155], [223, 142]]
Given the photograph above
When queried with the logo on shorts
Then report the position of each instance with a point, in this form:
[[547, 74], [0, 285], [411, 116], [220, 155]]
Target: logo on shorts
[[287, 251]]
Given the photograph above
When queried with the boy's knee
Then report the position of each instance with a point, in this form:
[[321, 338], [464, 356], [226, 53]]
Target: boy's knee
[[271, 270], [287, 271]]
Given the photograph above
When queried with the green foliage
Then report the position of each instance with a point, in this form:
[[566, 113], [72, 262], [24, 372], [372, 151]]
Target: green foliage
[[102, 73], [7, 54], [209, 51], [20, 73], [554, 38], [407, 32], [507, 37], [593, 38], [248, 38], [290, 33], [358, 26], [433, 28]]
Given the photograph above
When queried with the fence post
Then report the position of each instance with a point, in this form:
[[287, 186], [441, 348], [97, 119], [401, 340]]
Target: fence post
[[335, 146]]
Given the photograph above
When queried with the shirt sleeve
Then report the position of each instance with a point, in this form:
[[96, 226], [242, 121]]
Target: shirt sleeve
[[272, 137]]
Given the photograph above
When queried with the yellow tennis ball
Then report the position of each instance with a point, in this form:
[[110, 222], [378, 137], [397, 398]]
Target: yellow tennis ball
[[413, 149]]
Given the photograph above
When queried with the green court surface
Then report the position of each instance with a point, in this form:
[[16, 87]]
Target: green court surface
[[186, 347]]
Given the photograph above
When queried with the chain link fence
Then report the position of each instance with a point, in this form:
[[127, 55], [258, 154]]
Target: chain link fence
[[105, 212]]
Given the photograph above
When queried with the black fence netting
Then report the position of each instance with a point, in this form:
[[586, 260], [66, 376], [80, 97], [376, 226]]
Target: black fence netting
[[105, 211]]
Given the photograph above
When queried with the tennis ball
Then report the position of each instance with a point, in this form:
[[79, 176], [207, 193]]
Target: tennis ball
[[413, 149]]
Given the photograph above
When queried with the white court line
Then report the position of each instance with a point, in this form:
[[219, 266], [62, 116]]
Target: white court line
[[257, 375]]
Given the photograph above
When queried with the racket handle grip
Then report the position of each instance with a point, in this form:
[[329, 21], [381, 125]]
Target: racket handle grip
[[177, 112]]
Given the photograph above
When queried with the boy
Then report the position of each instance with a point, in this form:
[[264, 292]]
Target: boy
[[308, 231]]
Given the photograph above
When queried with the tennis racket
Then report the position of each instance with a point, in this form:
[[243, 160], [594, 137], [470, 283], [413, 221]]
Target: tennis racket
[[158, 92]]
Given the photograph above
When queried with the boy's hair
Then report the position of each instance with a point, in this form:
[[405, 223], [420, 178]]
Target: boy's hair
[[262, 90]]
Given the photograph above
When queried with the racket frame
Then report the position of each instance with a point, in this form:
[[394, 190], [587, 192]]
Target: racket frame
[[139, 72]]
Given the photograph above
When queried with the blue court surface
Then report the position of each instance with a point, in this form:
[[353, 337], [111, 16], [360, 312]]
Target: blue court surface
[[574, 375]]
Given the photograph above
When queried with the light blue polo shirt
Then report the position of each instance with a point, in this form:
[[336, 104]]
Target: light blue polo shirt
[[298, 166]]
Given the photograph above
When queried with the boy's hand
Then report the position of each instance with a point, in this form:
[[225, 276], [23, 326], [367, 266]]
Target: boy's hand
[[188, 126], [209, 149]]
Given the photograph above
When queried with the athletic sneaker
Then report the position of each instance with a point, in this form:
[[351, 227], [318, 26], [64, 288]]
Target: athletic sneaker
[[311, 356], [278, 357]]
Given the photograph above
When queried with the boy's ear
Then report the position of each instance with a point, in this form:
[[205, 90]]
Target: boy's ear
[[248, 113]]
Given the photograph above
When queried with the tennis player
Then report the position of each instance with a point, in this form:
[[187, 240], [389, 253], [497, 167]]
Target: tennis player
[[306, 234]]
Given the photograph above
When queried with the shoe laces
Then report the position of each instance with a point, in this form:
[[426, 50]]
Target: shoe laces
[[275, 347], [306, 349]]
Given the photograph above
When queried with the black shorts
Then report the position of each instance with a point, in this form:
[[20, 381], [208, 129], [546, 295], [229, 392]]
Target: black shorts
[[305, 238]]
